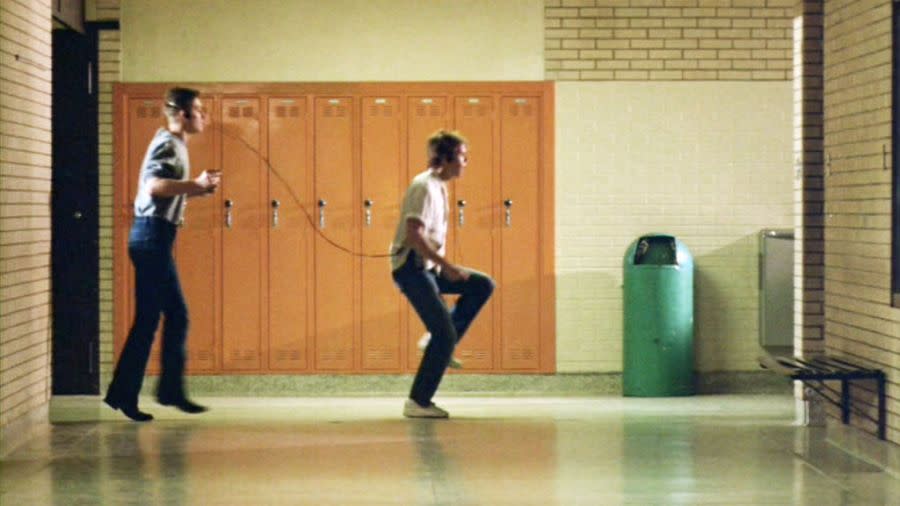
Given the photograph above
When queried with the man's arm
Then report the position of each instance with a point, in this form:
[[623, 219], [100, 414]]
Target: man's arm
[[206, 182]]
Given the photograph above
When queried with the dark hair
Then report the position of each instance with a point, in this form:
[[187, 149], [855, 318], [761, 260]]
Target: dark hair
[[180, 99], [442, 146]]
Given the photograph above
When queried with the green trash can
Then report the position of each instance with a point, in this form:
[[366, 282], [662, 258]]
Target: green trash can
[[658, 351]]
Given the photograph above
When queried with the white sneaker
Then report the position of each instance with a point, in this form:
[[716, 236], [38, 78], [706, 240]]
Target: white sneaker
[[455, 363], [412, 409]]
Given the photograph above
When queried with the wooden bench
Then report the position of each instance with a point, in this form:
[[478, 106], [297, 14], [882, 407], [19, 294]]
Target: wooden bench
[[814, 372]]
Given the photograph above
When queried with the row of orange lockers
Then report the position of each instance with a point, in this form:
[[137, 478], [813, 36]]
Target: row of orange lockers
[[273, 265]]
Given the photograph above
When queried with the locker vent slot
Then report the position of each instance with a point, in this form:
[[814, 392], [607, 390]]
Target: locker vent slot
[[149, 112], [280, 111], [380, 354], [243, 356], [295, 112], [335, 111], [234, 112], [287, 355], [249, 112], [473, 355], [522, 354], [333, 356], [202, 355]]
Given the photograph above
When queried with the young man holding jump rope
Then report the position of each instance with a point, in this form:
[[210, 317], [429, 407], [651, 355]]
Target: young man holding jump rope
[[164, 186]]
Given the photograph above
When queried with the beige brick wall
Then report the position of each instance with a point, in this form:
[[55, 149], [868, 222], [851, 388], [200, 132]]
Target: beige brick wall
[[110, 47], [859, 320], [668, 40], [809, 247], [25, 174], [707, 162]]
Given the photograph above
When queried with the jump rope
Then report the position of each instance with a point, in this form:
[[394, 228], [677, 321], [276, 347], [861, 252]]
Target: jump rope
[[294, 197]]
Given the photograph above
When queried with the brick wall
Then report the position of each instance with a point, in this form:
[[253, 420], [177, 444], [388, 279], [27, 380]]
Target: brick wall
[[859, 320], [808, 180], [25, 175], [110, 47], [671, 40]]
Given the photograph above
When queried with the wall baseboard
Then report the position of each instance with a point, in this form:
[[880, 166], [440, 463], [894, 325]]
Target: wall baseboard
[[576, 384]]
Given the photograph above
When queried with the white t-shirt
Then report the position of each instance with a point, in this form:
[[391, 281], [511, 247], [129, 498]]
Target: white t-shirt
[[426, 200]]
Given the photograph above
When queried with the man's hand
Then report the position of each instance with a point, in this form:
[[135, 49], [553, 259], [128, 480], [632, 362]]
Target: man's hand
[[209, 180], [454, 273]]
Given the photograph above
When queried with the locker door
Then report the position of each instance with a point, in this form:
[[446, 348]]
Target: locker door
[[197, 254], [425, 116], [145, 117], [473, 244], [290, 234], [382, 183], [244, 191], [336, 201], [519, 278]]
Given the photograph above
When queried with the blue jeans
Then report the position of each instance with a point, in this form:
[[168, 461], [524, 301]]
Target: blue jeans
[[157, 290], [423, 288]]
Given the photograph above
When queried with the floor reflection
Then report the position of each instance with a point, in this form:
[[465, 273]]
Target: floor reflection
[[715, 450]]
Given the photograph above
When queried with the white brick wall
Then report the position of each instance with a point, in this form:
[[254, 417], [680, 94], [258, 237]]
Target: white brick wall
[[859, 319], [707, 162], [25, 174]]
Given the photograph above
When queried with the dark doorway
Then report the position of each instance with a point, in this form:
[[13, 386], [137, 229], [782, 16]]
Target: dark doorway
[[75, 241]]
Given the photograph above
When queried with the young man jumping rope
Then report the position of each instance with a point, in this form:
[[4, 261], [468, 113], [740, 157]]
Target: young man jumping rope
[[423, 274]]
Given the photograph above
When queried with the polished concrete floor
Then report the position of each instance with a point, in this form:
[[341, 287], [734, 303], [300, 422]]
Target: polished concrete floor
[[492, 451]]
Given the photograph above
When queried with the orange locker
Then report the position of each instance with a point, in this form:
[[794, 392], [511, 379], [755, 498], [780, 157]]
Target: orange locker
[[244, 238], [519, 294], [290, 234], [382, 183], [337, 205], [425, 115], [145, 117], [474, 224], [197, 254]]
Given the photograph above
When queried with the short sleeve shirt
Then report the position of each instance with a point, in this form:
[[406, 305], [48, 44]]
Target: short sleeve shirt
[[426, 201], [166, 158]]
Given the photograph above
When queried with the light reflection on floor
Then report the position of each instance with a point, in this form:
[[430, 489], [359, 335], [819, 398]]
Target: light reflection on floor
[[592, 451]]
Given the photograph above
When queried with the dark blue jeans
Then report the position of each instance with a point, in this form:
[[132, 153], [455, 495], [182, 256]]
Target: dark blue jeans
[[157, 290], [423, 288]]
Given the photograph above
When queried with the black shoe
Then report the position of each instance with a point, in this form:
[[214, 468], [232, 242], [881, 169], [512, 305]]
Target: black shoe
[[130, 411], [183, 405]]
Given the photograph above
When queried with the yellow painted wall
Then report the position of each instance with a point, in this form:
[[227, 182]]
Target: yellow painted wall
[[334, 40], [709, 162]]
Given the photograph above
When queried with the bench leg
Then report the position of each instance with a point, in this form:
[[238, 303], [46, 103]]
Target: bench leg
[[845, 402], [882, 414]]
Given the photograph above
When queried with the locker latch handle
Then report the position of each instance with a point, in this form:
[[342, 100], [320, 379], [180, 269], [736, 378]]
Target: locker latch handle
[[228, 218], [460, 209], [508, 204], [368, 203], [322, 205], [275, 206]]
